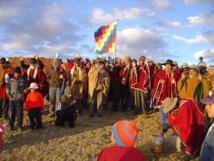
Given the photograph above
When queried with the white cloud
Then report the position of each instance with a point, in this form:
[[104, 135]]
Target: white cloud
[[208, 55], [100, 16], [169, 24], [209, 36], [159, 5], [132, 13], [206, 37], [140, 41], [43, 24], [202, 19], [199, 1], [197, 40], [9, 10]]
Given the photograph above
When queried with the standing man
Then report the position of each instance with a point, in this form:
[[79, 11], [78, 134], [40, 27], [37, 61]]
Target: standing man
[[141, 86], [55, 79], [193, 85], [164, 86], [25, 66], [4, 101], [78, 79], [99, 83], [122, 92], [35, 74]]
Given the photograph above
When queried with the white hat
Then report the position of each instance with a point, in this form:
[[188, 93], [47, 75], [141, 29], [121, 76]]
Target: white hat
[[34, 86], [184, 65], [169, 104]]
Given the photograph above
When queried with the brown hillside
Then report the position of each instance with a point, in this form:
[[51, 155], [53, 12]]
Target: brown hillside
[[15, 61]]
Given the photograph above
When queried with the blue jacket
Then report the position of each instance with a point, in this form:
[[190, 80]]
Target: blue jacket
[[207, 150]]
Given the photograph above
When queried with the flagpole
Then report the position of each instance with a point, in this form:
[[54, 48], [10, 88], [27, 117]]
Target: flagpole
[[116, 43]]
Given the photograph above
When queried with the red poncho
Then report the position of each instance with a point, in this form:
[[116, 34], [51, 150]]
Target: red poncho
[[188, 124]]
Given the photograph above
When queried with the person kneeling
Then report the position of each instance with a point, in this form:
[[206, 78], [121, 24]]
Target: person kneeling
[[68, 109]]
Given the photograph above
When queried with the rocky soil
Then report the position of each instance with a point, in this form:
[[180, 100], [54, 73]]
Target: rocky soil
[[84, 141]]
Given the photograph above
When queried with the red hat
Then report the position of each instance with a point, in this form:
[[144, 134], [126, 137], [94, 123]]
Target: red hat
[[125, 133]]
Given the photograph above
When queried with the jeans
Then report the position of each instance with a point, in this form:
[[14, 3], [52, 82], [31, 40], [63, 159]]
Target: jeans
[[164, 116], [54, 96]]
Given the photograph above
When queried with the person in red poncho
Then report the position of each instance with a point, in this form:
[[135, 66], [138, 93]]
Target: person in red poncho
[[186, 119], [164, 86], [123, 137], [140, 83], [36, 74]]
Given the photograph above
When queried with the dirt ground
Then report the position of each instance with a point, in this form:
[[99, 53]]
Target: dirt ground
[[84, 141]]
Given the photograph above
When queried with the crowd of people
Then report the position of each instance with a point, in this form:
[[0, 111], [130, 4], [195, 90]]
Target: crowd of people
[[130, 84]]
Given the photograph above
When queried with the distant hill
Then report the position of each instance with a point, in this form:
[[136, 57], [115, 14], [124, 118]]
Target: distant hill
[[15, 61]]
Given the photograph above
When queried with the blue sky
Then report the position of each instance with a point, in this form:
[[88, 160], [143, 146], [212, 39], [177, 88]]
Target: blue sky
[[181, 30]]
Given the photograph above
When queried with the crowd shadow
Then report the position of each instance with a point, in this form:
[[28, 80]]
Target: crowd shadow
[[16, 139]]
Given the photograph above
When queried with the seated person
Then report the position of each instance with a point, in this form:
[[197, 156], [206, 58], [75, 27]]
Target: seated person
[[124, 136], [186, 119], [68, 109], [207, 150]]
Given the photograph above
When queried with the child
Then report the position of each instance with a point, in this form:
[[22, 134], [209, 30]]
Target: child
[[68, 111], [34, 103], [15, 90], [207, 150], [1, 132], [123, 137]]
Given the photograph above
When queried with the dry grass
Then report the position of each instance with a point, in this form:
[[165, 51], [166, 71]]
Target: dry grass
[[82, 143]]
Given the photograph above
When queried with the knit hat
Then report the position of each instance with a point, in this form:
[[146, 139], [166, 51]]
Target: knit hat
[[68, 90], [17, 70], [125, 133]]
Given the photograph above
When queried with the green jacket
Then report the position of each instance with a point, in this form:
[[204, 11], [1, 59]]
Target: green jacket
[[53, 78]]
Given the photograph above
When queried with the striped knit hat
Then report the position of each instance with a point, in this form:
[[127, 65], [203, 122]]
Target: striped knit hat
[[125, 133]]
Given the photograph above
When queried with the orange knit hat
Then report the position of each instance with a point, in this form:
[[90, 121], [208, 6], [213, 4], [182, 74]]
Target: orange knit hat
[[125, 133]]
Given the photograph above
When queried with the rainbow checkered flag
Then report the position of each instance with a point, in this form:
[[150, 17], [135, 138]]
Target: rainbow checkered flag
[[105, 37]]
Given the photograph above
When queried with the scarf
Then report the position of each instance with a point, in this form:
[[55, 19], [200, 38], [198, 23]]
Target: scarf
[[34, 74]]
